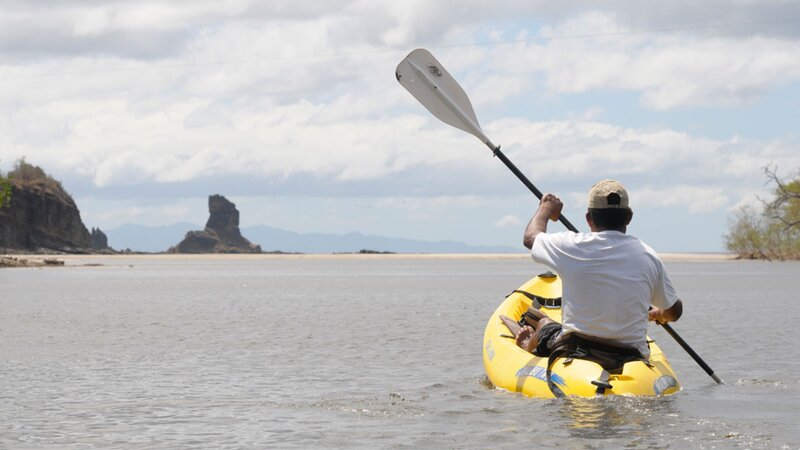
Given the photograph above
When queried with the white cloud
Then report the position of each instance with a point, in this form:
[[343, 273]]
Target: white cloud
[[509, 221], [121, 142], [695, 199], [749, 201], [597, 51], [670, 70], [113, 213], [135, 28], [433, 203]]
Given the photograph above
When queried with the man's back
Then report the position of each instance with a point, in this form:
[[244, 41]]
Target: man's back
[[609, 281]]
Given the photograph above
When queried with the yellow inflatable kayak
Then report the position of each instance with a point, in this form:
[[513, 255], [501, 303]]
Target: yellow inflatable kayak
[[512, 368]]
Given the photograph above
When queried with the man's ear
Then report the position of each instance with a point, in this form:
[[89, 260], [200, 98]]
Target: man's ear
[[630, 217]]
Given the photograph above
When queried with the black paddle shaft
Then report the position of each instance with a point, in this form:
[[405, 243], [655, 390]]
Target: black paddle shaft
[[692, 353], [530, 185]]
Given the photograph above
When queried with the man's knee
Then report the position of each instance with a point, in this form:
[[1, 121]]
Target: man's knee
[[546, 334], [544, 322]]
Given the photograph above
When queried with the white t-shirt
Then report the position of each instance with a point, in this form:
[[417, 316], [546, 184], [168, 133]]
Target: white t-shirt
[[609, 281]]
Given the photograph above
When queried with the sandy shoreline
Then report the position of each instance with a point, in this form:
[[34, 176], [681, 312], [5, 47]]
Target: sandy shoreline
[[77, 260]]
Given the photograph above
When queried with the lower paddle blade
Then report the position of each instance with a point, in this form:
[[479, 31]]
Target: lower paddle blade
[[428, 81]]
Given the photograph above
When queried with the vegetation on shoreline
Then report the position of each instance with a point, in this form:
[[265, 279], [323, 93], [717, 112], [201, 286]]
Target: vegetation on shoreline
[[774, 232]]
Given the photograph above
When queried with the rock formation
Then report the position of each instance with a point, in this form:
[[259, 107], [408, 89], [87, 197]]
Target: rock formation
[[41, 216], [221, 234], [99, 240]]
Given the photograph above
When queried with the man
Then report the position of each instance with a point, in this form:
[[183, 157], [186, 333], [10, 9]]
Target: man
[[610, 279]]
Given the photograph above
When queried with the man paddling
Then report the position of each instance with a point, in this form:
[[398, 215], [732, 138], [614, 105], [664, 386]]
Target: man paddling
[[610, 279]]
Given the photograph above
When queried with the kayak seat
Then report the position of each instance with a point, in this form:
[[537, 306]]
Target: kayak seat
[[612, 357]]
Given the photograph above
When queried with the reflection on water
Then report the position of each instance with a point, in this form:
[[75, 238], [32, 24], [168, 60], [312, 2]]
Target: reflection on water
[[613, 417]]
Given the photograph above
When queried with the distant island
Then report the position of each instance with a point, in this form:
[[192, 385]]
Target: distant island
[[221, 234]]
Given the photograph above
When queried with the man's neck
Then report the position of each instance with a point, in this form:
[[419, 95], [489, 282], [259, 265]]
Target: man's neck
[[598, 230]]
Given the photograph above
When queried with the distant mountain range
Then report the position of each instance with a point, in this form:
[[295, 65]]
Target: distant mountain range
[[159, 238]]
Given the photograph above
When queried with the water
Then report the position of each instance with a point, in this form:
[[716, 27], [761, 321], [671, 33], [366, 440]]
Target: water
[[361, 352]]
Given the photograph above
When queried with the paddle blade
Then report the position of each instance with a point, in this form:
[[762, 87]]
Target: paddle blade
[[428, 81]]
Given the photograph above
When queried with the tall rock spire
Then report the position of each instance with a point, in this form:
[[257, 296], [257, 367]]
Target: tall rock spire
[[221, 235]]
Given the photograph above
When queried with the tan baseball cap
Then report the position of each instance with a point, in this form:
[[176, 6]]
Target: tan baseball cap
[[608, 194]]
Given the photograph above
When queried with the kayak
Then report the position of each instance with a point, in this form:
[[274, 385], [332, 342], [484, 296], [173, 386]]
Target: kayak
[[512, 368]]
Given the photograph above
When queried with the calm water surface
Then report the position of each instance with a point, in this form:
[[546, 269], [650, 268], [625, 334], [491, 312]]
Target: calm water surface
[[230, 353]]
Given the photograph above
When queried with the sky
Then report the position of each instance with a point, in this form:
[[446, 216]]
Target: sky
[[291, 110]]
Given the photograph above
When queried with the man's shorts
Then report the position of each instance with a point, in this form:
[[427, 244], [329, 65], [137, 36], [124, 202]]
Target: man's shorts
[[547, 338]]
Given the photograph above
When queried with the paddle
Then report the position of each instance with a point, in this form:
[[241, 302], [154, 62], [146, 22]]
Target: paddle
[[428, 81]]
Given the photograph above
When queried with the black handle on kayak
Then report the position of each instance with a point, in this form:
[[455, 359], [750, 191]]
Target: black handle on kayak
[[691, 352]]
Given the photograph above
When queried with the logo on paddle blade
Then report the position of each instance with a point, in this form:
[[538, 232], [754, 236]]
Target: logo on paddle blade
[[434, 70]]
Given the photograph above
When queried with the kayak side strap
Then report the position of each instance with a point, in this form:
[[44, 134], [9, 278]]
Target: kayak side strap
[[540, 301], [555, 354]]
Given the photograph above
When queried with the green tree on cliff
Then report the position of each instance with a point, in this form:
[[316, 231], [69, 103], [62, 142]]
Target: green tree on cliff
[[29, 176], [5, 191], [773, 233], [26, 175]]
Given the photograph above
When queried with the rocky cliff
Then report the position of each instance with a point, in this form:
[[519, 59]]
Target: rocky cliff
[[99, 240], [221, 235], [41, 218]]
